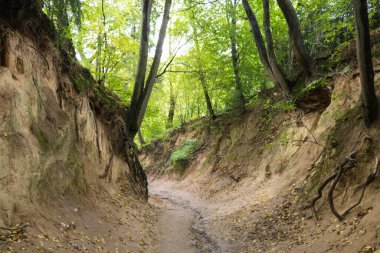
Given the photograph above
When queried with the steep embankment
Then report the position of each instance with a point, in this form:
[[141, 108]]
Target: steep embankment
[[62, 169], [257, 173]]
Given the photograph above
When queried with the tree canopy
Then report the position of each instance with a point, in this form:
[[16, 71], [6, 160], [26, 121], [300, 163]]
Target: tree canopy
[[211, 62]]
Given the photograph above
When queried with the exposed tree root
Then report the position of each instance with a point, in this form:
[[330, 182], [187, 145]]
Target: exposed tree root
[[97, 141], [319, 156], [345, 165], [320, 189], [76, 123], [369, 180], [136, 173], [348, 163], [108, 171]]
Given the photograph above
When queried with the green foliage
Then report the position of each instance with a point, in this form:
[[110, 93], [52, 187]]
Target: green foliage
[[319, 83], [329, 25], [181, 157], [66, 15], [269, 146], [64, 11], [284, 105], [80, 81], [285, 139], [106, 38]]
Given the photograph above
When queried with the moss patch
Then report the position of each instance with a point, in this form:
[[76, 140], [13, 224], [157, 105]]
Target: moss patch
[[63, 177], [45, 134], [81, 78]]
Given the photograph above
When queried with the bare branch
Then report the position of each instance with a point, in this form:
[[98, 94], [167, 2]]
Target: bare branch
[[167, 65]]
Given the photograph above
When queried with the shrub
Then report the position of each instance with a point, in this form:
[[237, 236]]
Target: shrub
[[180, 158]]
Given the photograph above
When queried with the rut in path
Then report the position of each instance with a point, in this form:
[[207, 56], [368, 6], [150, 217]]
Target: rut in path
[[181, 225]]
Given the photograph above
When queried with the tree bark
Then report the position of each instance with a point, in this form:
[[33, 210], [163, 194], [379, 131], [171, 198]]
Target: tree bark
[[369, 101], [260, 44], [202, 77], [169, 122], [141, 137], [295, 35], [63, 25], [132, 122], [210, 109], [136, 172], [276, 69], [103, 70], [257, 36], [155, 65], [234, 53], [98, 56]]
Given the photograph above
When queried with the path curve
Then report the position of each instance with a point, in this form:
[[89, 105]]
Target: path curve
[[181, 224]]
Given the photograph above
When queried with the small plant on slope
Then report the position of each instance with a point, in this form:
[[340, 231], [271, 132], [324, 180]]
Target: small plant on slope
[[180, 158]]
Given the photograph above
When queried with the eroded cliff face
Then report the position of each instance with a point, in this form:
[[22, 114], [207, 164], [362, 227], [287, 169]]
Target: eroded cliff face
[[54, 143], [264, 151], [259, 172]]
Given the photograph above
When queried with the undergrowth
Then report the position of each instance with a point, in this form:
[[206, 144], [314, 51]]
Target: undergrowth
[[181, 157]]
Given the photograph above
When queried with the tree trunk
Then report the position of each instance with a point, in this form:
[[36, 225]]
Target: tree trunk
[[103, 71], [295, 35], [169, 122], [276, 69], [132, 123], [369, 101], [257, 36], [155, 65], [63, 26], [202, 77], [210, 110], [136, 172], [234, 54], [260, 44], [98, 56], [141, 137]]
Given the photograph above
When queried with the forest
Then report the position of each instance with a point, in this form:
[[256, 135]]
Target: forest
[[210, 57], [186, 126]]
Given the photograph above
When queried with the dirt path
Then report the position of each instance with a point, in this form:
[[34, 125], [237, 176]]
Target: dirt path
[[181, 224]]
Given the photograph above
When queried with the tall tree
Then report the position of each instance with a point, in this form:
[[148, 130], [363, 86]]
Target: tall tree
[[363, 45], [231, 19], [295, 36], [276, 77], [141, 137], [203, 81], [201, 73], [169, 121], [142, 91], [102, 44], [141, 70], [276, 69], [143, 88]]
